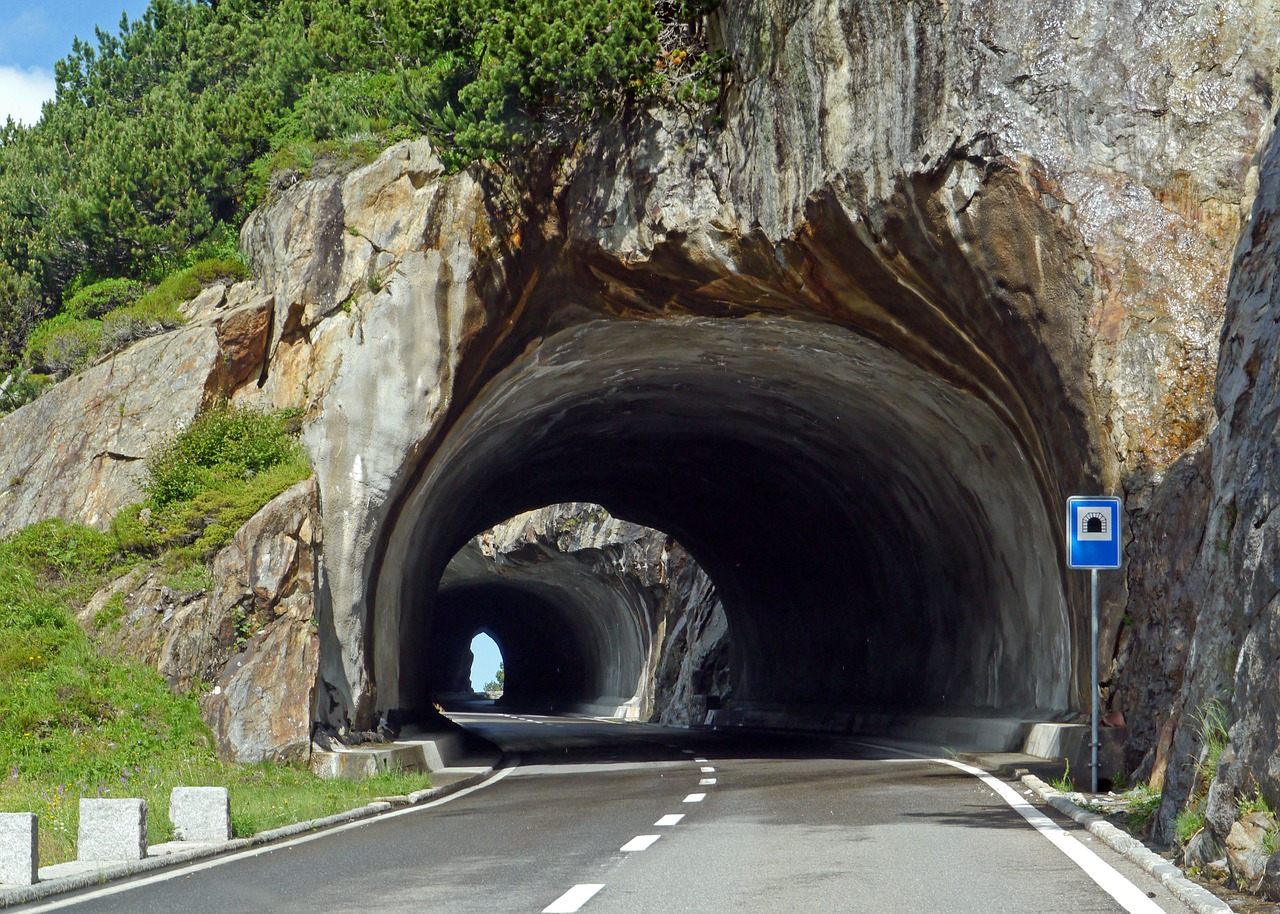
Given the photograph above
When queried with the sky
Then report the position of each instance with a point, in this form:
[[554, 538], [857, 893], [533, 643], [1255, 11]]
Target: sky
[[33, 35], [484, 669]]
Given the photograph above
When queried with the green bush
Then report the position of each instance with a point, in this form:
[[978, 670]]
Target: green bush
[[226, 443], [148, 317], [105, 295], [24, 386], [63, 345]]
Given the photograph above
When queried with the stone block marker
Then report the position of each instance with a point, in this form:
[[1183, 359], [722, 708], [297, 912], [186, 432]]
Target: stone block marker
[[200, 814], [19, 858], [112, 829]]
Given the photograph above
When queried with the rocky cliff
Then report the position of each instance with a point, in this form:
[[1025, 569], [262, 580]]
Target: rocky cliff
[[932, 268]]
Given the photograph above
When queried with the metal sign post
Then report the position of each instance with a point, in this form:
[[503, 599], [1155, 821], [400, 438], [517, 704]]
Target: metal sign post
[[1093, 542]]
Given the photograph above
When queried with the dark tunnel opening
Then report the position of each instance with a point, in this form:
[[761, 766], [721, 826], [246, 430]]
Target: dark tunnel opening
[[877, 536], [547, 661]]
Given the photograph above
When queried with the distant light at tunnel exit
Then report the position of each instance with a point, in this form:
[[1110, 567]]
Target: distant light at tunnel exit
[[1093, 532], [487, 658]]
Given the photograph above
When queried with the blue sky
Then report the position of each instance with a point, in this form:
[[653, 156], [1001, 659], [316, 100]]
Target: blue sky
[[33, 35], [487, 657]]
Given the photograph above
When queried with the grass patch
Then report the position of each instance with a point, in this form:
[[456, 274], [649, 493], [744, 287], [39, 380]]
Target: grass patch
[[75, 722], [1188, 824], [111, 613], [1256, 803], [1144, 803], [1212, 728], [1064, 784], [108, 315]]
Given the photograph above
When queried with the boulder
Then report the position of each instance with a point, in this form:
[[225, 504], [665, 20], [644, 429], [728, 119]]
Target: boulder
[[1269, 885], [1221, 804], [1246, 848], [1203, 851]]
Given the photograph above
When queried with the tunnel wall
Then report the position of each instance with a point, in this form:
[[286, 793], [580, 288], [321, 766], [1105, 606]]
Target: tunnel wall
[[867, 527]]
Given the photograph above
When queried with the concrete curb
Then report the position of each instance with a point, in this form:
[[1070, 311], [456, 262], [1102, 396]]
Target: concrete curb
[[111, 872], [1199, 899]]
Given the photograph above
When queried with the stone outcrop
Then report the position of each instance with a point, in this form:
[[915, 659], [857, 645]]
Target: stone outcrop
[[76, 452], [1232, 655], [641, 618], [248, 643]]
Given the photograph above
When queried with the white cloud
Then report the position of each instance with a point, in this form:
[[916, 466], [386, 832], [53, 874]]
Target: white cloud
[[22, 92]]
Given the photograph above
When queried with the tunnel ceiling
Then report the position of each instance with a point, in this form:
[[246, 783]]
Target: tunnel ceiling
[[876, 535]]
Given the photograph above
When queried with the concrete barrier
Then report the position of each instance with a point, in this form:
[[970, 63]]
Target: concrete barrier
[[201, 814], [112, 830], [1071, 742], [19, 854]]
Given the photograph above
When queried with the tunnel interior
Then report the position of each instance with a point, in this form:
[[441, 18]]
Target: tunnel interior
[[878, 537]]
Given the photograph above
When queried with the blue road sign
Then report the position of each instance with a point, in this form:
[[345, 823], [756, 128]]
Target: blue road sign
[[1093, 532]]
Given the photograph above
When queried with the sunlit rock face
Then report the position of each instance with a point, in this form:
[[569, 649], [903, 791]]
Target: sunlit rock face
[[1234, 577], [591, 614], [932, 268]]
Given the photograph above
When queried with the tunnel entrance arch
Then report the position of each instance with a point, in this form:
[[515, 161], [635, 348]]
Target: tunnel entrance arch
[[878, 536], [601, 616]]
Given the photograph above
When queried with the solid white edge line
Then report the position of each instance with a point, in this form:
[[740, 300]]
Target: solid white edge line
[[1112, 881], [174, 873], [639, 843], [695, 798], [573, 899], [672, 818], [1108, 878]]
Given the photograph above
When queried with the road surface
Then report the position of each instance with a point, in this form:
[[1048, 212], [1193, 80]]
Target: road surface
[[606, 818]]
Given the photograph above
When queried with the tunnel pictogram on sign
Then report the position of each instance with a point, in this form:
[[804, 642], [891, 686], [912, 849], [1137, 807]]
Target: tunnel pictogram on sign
[[1093, 532]]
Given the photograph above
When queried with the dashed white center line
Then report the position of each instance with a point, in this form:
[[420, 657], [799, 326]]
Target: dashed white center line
[[700, 761], [707, 769], [573, 899], [639, 843], [695, 798], [706, 782], [670, 819]]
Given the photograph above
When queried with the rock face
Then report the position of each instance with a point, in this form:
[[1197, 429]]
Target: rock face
[[249, 642], [1232, 655], [591, 613], [935, 268], [75, 452]]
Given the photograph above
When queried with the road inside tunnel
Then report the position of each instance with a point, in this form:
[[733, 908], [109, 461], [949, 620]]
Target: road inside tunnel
[[878, 536]]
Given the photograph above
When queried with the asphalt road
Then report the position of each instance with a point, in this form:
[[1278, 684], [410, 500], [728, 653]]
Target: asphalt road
[[785, 824]]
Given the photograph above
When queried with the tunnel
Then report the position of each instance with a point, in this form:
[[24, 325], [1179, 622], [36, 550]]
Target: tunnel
[[877, 536]]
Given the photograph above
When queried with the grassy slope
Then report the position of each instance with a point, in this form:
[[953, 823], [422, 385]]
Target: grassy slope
[[74, 722]]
